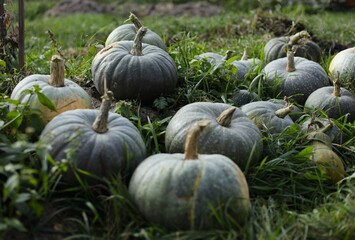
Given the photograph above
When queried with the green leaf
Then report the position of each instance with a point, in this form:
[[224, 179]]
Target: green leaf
[[43, 99], [160, 103]]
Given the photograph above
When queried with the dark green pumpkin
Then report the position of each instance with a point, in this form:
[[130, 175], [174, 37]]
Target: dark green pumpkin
[[187, 191], [277, 47], [99, 142], [134, 70], [232, 134]]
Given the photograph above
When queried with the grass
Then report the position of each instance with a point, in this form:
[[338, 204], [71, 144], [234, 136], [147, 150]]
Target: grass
[[291, 198]]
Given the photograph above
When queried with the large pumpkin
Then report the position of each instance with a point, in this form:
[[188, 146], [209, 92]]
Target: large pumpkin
[[294, 77], [134, 70], [342, 66], [190, 191], [64, 93], [100, 142], [277, 47], [128, 32], [232, 135]]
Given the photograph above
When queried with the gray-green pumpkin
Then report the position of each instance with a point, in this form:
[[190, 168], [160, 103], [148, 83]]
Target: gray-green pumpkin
[[232, 134], [99, 142], [186, 191], [342, 66], [134, 70], [127, 32]]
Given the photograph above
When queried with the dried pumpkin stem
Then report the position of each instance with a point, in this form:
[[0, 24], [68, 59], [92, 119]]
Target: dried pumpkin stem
[[290, 61], [225, 118], [134, 19], [100, 123], [337, 85], [191, 140], [57, 71], [283, 112], [294, 38], [137, 45]]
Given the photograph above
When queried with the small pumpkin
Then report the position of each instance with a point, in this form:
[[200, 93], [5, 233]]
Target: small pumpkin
[[342, 66], [100, 142], [276, 48], [214, 58], [128, 32], [294, 77], [324, 156], [63, 93], [232, 135], [134, 70], [184, 191], [245, 65], [335, 101], [268, 116], [296, 112]]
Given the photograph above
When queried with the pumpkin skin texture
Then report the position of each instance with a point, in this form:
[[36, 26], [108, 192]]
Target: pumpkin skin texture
[[114, 150], [63, 93], [243, 96], [238, 140], [179, 191], [342, 66], [336, 103], [294, 77], [127, 32], [144, 76], [268, 116], [317, 124], [276, 48]]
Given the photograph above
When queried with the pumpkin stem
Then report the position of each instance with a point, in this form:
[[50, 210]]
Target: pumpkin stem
[[294, 38], [192, 139], [225, 118], [100, 123], [283, 112], [228, 55], [137, 44], [290, 61], [134, 19], [337, 85], [57, 71]]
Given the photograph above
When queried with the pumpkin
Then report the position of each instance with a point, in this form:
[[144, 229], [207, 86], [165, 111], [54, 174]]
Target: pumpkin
[[296, 112], [214, 58], [63, 93], [129, 31], [335, 101], [294, 77], [134, 70], [185, 191], [232, 135], [342, 66], [245, 65], [100, 142], [244, 96], [276, 48], [269, 116], [325, 158]]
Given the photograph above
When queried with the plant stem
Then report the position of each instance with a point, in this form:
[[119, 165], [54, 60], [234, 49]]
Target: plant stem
[[245, 55], [137, 45], [100, 124], [191, 140], [336, 91], [294, 38], [21, 36], [135, 21], [283, 112], [57, 71], [225, 118], [290, 61]]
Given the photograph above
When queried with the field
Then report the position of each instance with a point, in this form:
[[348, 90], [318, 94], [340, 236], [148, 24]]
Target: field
[[291, 198]]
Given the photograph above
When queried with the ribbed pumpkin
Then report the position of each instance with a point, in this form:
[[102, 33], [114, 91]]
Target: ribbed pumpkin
[[342, 66], [186, 191], [244, 96], [336, 101], [64, 93], [214, 58], [296, 112], [294, 77], [232, 135], [277, 47], [324, 156], [100, 142], [245, 65], [268, 116], [134, 70], [128, 32]]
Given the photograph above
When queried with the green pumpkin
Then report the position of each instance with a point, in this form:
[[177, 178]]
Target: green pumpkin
[[246, 66], [277, 47], [335, 101], [63, 93], [99, 142], [294, 77], [232, 135], [133, 70], [184, 191], [127, 32], [244, 96], [342, 66]]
